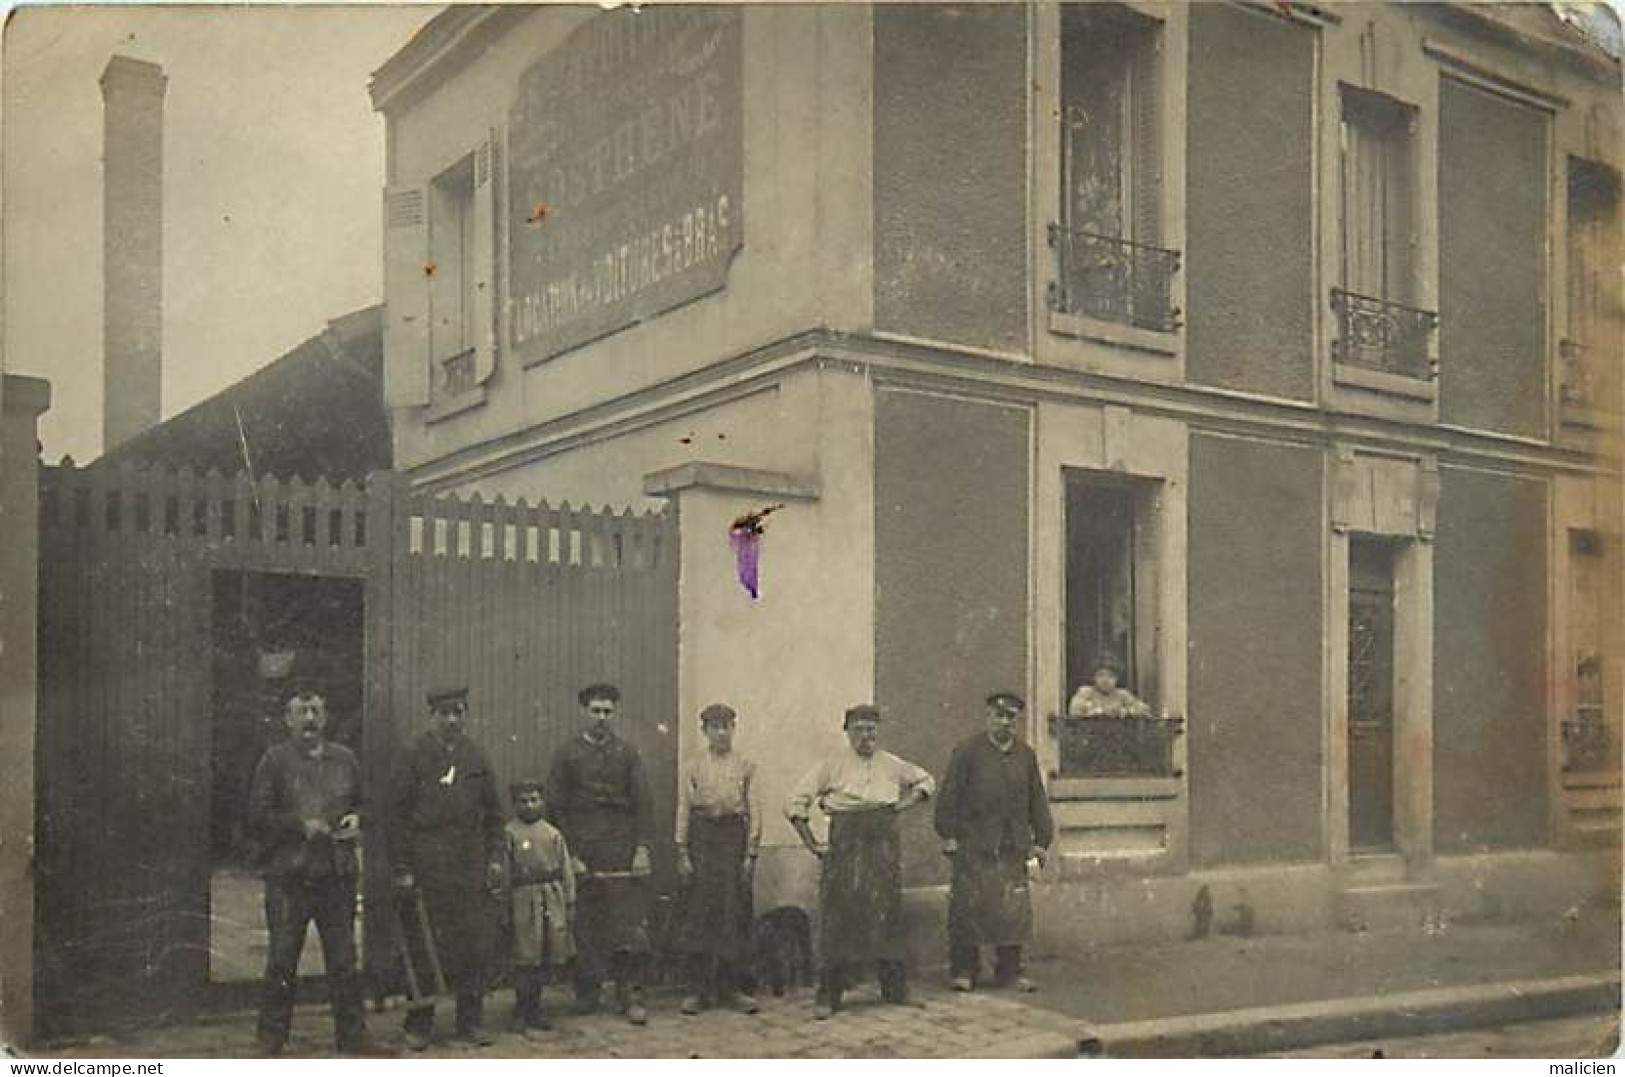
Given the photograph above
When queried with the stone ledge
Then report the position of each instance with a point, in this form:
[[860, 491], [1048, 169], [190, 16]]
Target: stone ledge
[[23, 393], [729, 478]]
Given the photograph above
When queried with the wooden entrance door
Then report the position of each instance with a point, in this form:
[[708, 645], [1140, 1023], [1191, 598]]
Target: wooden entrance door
[[1371, 695]]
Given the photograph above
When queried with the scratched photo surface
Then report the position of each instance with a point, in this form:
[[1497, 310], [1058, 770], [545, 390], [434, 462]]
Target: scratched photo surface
[[819, 530]]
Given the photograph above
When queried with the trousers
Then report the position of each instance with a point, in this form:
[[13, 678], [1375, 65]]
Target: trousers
[[292, 902]]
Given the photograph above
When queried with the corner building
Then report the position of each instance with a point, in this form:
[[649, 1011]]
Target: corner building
[[1273, 348]]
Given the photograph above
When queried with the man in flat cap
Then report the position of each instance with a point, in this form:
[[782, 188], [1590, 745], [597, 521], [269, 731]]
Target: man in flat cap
[[992, 816], [860, 891], [304, 804], [719, 828], [447, 842], [600, 802]]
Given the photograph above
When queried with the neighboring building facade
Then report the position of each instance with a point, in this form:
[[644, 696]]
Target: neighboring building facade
[[1271, 348]]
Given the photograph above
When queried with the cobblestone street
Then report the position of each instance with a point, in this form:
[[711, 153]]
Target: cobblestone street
[[937, 1024]]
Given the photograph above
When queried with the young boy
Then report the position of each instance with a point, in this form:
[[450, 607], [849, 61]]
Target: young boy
[[542, 895], [718, 830]]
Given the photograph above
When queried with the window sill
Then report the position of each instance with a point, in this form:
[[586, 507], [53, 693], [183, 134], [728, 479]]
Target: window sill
[[1115, 788], [1586, 418], [446, 407], [1377, 381], [1124, 336]]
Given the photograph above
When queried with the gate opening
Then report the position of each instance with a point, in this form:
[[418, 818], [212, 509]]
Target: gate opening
[[270, 631]]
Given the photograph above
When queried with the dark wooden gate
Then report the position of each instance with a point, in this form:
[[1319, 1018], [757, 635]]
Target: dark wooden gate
[[523, 602]]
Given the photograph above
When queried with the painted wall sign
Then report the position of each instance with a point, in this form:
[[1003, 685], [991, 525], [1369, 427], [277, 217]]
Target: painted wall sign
[[626, 174]]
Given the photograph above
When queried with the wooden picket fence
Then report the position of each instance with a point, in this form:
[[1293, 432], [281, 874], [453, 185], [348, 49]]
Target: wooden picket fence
[[523, 602]]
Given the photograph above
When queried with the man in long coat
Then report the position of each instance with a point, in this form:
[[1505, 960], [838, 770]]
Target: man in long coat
[[862, 790], [992, 816], [447, 842], [600, 802]]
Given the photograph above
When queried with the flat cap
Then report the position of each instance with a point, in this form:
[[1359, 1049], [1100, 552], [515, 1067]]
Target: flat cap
[[862, 712], [447, 693], [1007, 701], [717, 713], [601, 690]]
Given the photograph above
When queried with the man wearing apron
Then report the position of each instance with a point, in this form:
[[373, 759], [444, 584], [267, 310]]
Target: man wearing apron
[[860, 892]]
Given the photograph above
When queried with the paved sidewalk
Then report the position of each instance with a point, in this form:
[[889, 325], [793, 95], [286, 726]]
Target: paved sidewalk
[[1213, 996], [1221, 974]]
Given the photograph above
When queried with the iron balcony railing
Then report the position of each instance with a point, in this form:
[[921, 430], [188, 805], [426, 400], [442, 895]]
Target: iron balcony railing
[[1576, 388], [1587, 743], [1117, 747], [1114, 279], [1377, 334], [457, 372]]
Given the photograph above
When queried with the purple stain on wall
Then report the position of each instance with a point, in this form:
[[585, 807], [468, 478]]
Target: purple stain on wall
[[745, 536]]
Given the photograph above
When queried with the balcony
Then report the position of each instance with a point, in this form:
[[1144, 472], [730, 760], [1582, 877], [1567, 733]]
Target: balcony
[[1117, 747], [1384, 337], [1587, 743], [1113, 280]]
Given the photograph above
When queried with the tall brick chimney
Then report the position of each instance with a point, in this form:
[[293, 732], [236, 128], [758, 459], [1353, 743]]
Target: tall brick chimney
[[132, 246]]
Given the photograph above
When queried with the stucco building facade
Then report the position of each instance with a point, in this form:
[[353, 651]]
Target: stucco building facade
[[1273, 349]]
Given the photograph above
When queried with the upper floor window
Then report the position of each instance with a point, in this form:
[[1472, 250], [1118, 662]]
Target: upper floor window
[[1591, 317], [1111, 264], [1378, 327]]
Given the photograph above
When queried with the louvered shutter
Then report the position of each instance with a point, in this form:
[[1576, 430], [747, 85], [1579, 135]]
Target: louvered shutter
[[406, 298], [486, 169]]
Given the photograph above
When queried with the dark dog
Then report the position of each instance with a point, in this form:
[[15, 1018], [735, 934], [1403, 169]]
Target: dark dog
[[783, 944]]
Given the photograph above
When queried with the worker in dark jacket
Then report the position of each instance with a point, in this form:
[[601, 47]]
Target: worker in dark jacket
[[447, 842], [992, 816], [600, 803], [304, 806]]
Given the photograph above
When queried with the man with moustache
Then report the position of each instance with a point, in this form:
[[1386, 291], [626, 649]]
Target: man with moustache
[[600, 802], [992, 816], [447, 841], [304, 804], [860, 891]]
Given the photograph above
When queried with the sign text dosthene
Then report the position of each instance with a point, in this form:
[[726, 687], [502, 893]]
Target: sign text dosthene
[[626, 174]]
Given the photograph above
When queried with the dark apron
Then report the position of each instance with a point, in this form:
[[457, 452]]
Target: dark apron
[[860, 892], [990, 901], [717, 917], [610, 913]]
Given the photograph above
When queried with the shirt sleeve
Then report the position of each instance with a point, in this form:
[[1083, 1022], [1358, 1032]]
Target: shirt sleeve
[[642, 824], [403, 801], [264, 814], [915, 777], [753, 811], [1078, 706], [946, 818], [806, 792], [1038, 812], [685, 786], [567, 871], [559, 792], [491, 815]]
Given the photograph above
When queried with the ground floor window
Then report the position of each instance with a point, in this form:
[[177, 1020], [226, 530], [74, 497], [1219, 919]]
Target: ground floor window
[[1111, 623], [1590, 736]]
